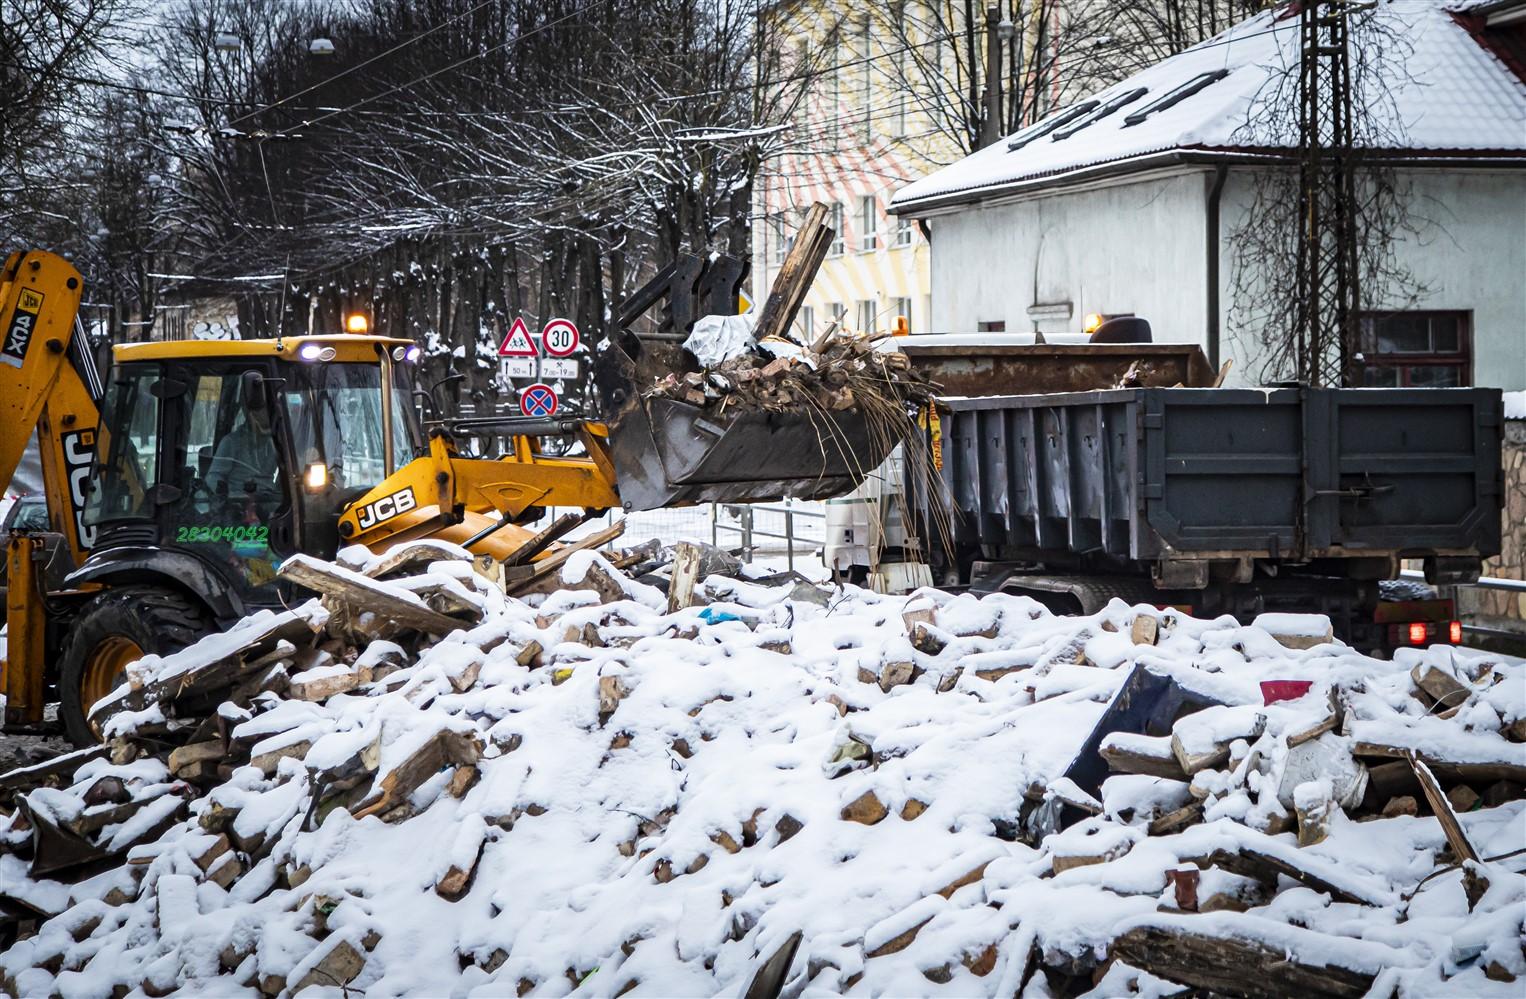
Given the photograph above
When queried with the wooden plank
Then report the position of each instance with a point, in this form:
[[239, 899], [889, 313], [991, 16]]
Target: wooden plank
[[1447, 769], [1265, 865], [414, 556], [795, 274], [38, 774], [768, 980], [1127, 756], [366, 596], [202, 685], [1238, 965], [553, 562], [686, 560], [1462, 849], [443, 748], [546, 538]]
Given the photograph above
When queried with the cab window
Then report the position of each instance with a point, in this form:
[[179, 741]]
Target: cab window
[[128, 447], [233, 495]]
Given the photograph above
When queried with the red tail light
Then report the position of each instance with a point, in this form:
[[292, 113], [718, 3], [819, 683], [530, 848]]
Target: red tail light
[[1454, 632], [1417, 632]]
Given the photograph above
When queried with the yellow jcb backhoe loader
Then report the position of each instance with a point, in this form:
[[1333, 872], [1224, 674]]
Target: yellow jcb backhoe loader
[[183, 480]]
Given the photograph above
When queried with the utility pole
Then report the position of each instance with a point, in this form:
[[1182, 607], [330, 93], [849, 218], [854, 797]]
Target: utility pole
[[998, 32], [1328, 307]]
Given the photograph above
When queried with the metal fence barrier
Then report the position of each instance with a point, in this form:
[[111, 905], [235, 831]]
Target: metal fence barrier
[[748, 530]]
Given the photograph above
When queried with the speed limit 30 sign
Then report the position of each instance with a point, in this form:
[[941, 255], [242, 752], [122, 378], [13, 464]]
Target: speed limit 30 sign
[[559, 338]]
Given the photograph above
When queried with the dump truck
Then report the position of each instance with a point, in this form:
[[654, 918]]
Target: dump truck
[[1079, 472], [182, 480]]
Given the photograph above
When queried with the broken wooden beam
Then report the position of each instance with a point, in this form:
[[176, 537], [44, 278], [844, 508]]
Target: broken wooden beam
[[362, 595], [551, 564], [547, 537], [1238, 962]]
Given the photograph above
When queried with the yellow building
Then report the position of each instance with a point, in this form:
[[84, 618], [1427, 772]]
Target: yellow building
[[859, 134]]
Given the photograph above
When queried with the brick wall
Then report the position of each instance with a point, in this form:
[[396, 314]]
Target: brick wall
[[1497, 608]]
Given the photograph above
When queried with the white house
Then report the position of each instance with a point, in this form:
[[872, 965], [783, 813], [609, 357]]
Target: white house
[[1129, 201]]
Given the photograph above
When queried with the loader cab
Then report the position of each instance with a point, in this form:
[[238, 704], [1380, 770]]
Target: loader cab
[[219, 460]]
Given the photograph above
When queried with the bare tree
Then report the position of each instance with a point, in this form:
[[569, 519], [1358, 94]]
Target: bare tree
[[1057, 51], [47, 52], [1267, 309]]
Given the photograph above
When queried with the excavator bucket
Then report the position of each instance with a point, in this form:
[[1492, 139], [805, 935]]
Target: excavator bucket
[[669, 453]]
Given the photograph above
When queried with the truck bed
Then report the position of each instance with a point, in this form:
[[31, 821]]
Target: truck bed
[[1182, 478]]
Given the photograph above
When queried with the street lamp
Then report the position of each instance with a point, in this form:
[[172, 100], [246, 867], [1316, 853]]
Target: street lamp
[[999, 31]]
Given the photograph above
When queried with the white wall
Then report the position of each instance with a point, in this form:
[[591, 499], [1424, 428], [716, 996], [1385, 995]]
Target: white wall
[[1136, 247]]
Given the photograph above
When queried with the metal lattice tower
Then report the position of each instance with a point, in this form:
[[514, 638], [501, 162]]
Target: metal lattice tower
[[1328, 327]]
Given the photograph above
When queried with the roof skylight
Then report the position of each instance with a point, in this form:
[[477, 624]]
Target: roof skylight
[[1112, 104], [1059, 120], [1176, 96]]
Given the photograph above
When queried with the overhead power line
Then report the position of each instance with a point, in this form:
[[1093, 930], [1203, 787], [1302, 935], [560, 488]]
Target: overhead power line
[[361, 65]]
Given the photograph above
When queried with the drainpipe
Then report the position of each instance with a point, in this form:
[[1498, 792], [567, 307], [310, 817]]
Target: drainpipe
[[1220, 172]]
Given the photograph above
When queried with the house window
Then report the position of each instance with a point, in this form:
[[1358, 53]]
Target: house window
[[901, 307], [808, 322], [867, 311], [1419, 349], [782, 243], [839, 244], [835, 312], [992, 326], [868, 223], [903, 230]]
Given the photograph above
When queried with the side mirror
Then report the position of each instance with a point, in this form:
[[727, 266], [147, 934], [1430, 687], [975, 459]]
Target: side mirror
[[256, 401]]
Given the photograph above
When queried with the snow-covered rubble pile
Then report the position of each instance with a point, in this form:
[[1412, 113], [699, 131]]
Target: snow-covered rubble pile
[[592, 795]]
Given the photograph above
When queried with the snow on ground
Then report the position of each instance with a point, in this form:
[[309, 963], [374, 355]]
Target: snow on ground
[[750, 773]]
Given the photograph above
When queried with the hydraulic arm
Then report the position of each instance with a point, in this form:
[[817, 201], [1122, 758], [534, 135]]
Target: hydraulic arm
[[48, 384]]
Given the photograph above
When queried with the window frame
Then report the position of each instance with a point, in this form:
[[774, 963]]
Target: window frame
[[1403, 362], [868, 314], [868, 223], [835, 217]]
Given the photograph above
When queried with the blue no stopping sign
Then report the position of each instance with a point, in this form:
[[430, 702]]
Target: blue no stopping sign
[[538, 400]]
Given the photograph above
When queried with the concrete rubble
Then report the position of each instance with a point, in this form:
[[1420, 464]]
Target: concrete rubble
[[416, 783]]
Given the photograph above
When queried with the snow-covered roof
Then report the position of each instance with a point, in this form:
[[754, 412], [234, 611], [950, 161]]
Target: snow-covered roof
[[1446, 93]]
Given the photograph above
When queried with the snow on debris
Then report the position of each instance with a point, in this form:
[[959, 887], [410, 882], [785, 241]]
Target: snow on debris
[[581, 793]]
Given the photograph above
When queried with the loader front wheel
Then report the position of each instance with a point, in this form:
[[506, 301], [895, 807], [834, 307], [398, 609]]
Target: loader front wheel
[[113, 631]]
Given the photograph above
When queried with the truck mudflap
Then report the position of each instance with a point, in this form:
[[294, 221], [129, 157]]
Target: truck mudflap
[[669, 453]]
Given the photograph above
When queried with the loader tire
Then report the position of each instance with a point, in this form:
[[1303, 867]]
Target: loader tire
[[115, 629]]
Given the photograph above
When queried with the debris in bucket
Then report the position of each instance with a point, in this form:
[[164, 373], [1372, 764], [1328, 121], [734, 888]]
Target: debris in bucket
[[419, 784], [776, 375]]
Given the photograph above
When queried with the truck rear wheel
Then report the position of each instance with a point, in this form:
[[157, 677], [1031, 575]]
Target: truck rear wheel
[[115, 630]]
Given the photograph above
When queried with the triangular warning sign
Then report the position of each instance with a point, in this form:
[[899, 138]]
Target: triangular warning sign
[[518, 342]]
